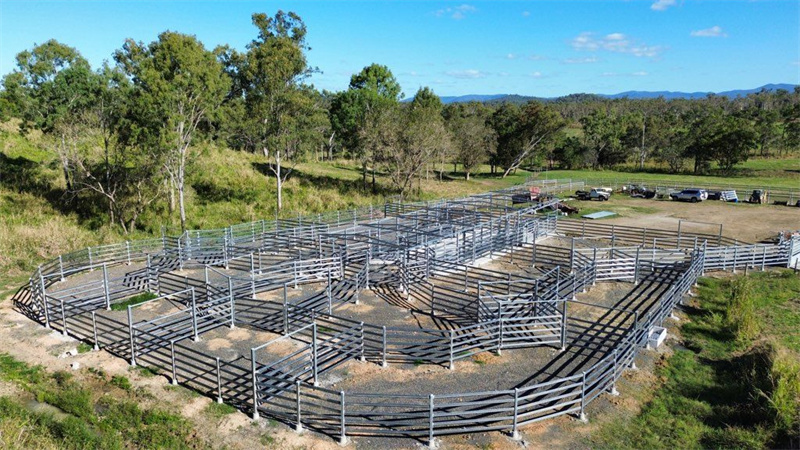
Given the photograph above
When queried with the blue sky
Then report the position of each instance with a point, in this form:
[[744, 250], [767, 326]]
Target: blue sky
[[542, 48]]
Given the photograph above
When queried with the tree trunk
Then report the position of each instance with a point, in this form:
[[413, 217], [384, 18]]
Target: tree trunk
[[467, 172]]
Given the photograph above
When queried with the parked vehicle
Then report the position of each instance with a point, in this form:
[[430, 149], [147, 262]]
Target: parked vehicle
[[640, 191], [600, 194], [757, 196], [690, 195]]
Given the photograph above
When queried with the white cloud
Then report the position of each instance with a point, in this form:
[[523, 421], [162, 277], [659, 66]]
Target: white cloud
[[614, 42], [526, 13], [456, 12], [795, 63], [533, 57], [511, 56], [640, 73], [536, 74], [661, 5], [466, 74], [588, 60], [715, 31]]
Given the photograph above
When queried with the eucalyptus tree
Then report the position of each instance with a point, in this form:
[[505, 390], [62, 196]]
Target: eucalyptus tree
[[281, 116], [419, 134], [179, 83], [473, 139], [357, 113], [50, 90]]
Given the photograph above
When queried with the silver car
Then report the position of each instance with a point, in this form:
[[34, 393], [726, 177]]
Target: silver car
[[690, 195]]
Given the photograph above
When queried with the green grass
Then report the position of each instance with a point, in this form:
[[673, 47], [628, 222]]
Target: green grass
[[725, 389], [135, 300], [83, 347], [219, 410], [121, 382], [86, 418]]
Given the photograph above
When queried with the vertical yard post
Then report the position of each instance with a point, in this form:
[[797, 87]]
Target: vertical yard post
[[514, 430], [314, 354], [63, 318], [131, 336], [383, 352], [298, 427], [362, 356], [44, 299], [219, 382], [233, 304], [106, 293], [128, 251], [61, 267], [285, 311], [329, 293], [174, 380], [582, 416], [431, 443], [614, 375], [452, 341], [194, 315], [94, 331], [342, 429], [563, 326], [636, 267], [255, 382]]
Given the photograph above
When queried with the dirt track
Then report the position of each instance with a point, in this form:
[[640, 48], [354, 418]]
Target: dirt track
[[750, 223]]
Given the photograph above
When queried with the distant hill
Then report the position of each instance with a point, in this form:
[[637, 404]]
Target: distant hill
[[513, 98]]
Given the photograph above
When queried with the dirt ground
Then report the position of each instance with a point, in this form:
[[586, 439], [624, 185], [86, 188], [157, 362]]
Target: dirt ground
[[750, 223]]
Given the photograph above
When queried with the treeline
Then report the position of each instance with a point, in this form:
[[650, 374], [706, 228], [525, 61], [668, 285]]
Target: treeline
[[125, 133]]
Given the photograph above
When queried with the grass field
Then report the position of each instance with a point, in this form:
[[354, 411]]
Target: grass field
[[726, 388]]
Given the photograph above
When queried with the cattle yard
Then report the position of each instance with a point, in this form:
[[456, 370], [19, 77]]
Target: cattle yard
[[318, 322]]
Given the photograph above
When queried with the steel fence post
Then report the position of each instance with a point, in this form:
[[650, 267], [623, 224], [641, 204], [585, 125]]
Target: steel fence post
[[106, 292], [564, 326], [514, 430], [174, 380], [383, 353], [219, 382], [94, 331], [452, 342], [128, 250], [131, 336], [636, 267], [362, 357], [582, 416], [44, 299], [342, 429], [431, 442], [63, 318], [614, 374], [285, 311], [61, 267], [314, 354], [255, 383], [298, 427], [194, 316]]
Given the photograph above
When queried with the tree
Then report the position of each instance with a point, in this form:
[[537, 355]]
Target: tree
[[181, 84], [472, 137], [603, 134], [521, 131], [732, 142], [418, 134], [279, 111], [354, 113], [50, 91]]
